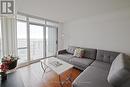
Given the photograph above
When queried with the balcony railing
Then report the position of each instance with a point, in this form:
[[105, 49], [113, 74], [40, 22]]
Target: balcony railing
[[36, 50]]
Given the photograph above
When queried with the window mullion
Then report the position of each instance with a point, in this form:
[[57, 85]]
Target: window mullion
[[28, 40], [44, 40]]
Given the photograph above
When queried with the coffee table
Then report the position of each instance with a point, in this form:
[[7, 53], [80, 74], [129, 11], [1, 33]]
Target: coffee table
[[58, 66]]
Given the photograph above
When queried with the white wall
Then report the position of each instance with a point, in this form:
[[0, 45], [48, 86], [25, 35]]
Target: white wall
[[108, 31]]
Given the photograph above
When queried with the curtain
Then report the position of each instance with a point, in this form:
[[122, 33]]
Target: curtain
[[9, 38]]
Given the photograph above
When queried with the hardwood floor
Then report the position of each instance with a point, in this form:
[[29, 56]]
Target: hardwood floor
[[33, 76]]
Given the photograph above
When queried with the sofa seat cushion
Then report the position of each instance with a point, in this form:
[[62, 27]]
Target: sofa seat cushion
[[102, 65], [92, 77], [83, 63], [65, 57]]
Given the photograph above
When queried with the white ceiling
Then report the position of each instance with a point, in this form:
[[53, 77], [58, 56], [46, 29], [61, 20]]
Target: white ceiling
[[67, 10]]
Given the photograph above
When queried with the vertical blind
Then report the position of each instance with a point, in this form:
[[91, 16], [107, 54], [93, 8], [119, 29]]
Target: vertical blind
[[8, 30]]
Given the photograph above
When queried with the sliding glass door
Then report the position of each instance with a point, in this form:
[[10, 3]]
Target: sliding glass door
[[36, 39], [51, 41], [22, 41], [37, 44]]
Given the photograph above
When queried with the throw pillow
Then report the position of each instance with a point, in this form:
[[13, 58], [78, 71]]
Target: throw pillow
[[71, 49], [79, 52]]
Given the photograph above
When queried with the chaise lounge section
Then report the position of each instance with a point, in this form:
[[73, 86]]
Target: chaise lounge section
[[80, 63], [97, 66]]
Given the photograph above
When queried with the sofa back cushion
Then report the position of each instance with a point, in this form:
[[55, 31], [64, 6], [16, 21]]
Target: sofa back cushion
[[119, 74], [71, 49], [90, 53], [106, 56]]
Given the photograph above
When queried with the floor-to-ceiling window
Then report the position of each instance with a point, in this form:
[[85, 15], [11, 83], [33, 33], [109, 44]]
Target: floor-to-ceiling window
[[36, 38], [36, 42], [51, 38], [22, 41]]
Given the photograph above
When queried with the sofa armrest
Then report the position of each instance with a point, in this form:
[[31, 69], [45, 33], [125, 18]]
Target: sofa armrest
[[62, 51]]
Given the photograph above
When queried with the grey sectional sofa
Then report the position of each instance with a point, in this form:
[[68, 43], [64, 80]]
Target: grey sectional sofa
[[98, 67]]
